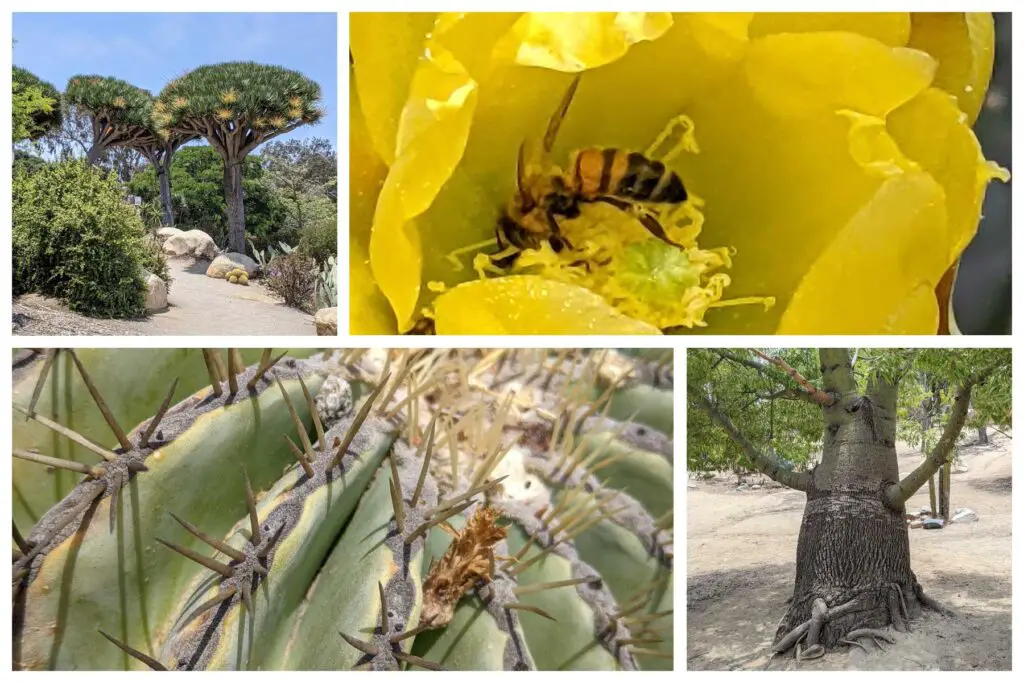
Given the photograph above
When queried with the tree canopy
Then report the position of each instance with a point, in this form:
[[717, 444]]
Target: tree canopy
[[773, 412], [120, 112], [237, 105], [35, 106]]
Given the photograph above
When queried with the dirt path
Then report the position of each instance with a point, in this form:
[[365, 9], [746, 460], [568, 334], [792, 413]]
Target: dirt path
[[197, 305], [741, 552]]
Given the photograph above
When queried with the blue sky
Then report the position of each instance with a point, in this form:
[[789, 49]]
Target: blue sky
[[148, 50]]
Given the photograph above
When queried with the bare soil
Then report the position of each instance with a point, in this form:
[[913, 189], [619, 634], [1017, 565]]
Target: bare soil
[[741, 560], [197, 305]]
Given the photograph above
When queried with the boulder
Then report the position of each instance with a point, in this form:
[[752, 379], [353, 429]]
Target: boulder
[[225, 263], [933, 523], [326, 320], [156, 292], [163, 234], [965, 515], [194, 243]]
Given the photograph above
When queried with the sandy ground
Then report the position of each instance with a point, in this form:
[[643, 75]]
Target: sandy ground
[[741, 553], [197, 305]]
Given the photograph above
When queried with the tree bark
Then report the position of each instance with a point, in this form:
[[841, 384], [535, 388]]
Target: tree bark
[[983, 435], [235, 200], [931, 495], [94, 154], [163, 176], [944, 490], [853, 553]]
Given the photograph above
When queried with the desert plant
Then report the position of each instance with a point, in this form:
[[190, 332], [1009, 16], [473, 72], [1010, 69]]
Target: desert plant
[[155, 260], [327, 284], [460, 509], [237, 106], [293, 277], [75, 238], [320, 238]]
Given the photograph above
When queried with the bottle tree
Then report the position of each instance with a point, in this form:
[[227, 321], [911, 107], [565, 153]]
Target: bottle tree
[[853, 574], [35, 106], [237, 106], [122, 115]]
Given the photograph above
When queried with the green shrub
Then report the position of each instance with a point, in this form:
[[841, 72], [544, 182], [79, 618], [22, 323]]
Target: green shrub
[[319, 241], [76, 239], [155, 260], [293, 277]]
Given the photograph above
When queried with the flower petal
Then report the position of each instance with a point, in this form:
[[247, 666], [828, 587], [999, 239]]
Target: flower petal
[[385, 68], [369, 311], [891, 28], [933, 132], [878, 275], [964, 46], [527, 304], [797, 74]]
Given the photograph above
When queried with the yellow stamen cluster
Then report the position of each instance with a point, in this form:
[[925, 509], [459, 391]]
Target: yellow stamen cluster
[[225, 114], [229, 96], [120, 102]]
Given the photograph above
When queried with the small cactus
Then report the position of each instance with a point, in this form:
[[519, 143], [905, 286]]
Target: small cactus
[[232, 278], [243, 279], [442, 509]]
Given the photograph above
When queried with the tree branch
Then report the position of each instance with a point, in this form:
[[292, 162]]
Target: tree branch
[[766, 462], [896, 495], [814, 394]]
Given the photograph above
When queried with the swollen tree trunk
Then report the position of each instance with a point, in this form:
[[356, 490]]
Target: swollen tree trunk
[[94, 154], [164, 178], [234, 197], [983, 435], [853, 554], [931, 495]]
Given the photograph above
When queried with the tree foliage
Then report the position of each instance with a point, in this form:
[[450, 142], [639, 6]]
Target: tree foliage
[[35, 106], [238, 105], [762, 401]]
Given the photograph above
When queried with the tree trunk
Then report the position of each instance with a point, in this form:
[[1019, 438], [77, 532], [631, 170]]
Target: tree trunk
[[94, 154], [234, 199], [163, 176], [931, 495], [983, 435], [853, 554], [944, 490]]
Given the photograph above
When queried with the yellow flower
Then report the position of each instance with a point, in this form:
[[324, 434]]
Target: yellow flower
[[829, 159], [229, 96]]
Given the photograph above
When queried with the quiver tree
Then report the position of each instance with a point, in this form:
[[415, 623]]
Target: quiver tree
[[237, 106], [853, 575], [35, 106]]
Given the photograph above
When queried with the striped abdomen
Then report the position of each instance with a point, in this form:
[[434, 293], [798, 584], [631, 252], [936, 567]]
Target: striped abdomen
[[603, 172]]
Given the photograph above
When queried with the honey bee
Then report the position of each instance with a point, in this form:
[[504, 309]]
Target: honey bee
[[545, 193]]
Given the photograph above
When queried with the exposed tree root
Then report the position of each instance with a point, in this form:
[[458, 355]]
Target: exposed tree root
[[873, 607]]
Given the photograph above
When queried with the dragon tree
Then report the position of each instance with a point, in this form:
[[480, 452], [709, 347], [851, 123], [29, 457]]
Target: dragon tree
[[39, 101], [780, 407], [122, 115], [237, 106]]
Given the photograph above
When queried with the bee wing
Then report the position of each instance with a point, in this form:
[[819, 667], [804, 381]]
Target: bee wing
[[556, 118]]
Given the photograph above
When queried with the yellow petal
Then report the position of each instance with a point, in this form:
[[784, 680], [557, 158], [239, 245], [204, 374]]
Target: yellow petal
[[891, 28], [369, 311], [878, 275], [574, 41], [964, 46], [797, 74], [779, 188], [527, 304], [384, 68], [932, 131]]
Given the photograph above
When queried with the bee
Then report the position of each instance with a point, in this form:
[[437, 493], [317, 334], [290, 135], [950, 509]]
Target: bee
[[623, 179]]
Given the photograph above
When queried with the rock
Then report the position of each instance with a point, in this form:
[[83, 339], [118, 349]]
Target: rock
[[965, 515], [741, 487], [326, 320], [225, 263], [924, 511], [916, 524], [691, 485], [755, 487], [933, 523], [163, 233], [194, 243], [156, 292]]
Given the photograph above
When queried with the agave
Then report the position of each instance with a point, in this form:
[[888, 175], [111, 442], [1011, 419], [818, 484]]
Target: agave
[[379, 509]]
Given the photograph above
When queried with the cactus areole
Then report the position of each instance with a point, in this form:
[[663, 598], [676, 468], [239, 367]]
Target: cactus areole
[[373, 509], [237, 106]]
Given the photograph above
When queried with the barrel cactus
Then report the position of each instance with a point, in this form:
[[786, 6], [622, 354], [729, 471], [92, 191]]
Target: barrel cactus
[[375, 509]]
